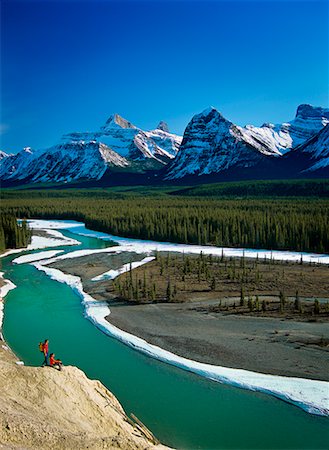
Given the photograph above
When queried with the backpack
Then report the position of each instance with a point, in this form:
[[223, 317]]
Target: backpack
[[41, 346]]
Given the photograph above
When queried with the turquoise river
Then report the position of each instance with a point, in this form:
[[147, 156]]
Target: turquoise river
[[183, 410]]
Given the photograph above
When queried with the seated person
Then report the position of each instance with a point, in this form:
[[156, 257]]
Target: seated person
[[55, 363]]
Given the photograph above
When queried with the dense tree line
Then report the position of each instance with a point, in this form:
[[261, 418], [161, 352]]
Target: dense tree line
[[260, 188], [12, 233], [257, 223]]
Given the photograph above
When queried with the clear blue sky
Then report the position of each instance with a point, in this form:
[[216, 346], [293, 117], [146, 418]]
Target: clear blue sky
[[66, 66]]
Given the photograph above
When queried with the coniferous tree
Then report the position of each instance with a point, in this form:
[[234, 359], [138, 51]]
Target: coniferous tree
[[242, 296], [316, 306], [169, 291], [297, 302]]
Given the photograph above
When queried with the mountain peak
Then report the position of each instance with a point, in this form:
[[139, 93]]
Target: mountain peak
[[305, 111], [163, 126], [116, 119], [210, 114], [209, 110]]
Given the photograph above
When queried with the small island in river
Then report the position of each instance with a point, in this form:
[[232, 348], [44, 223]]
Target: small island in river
[[261, 315]]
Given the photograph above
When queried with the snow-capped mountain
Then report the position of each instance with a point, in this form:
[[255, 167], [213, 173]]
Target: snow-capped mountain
[[89, 155], [283, 137], [131, 142], [212, 147], [63, 162], [212, 144]]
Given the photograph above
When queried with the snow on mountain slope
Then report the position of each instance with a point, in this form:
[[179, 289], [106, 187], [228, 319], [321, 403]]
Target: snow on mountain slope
[[213, 144], [3, 155], [88, 155], [63, 162], [15, 166], [283, 137], [132, 142], [313, 154], [166, 141]]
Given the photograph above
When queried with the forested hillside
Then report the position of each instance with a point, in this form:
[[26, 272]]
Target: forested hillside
[[13, 234], [297, 224]]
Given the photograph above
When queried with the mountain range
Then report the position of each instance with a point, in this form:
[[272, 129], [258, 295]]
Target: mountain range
[[212, 148]]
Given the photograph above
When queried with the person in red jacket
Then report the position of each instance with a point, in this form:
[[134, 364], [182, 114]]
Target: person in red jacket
[[55, 363], [45, 351]]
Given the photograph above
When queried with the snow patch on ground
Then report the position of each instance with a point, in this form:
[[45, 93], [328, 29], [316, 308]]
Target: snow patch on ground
[[111, 274], [53, 224], [8, 286], [36, 256]]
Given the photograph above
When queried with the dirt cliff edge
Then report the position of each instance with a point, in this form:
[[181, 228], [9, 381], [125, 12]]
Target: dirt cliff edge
[[42, 408]]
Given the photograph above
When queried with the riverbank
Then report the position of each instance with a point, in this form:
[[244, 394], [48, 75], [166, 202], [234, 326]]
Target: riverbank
[[47, 409], [267, 345]]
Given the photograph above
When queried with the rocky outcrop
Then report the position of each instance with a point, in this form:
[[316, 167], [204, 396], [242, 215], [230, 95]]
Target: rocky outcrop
[[42, 408]]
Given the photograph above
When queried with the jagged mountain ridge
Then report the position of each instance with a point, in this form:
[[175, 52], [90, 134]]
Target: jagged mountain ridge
[[214, 145], [212, 148], [118, 144]]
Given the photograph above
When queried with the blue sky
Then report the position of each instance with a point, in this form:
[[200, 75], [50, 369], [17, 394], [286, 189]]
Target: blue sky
[[67, 66]]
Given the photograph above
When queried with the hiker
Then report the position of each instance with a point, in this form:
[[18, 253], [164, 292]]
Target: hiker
[[44, 348], [55, 363]]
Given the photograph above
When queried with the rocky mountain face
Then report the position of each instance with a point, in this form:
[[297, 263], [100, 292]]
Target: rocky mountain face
[[214, 145], [90, 155]]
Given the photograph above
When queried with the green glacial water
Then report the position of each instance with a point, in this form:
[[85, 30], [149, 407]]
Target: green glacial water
[[182, 409]]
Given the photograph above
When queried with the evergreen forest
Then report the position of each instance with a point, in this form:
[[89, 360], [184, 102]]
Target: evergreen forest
[[12, 233], [284, 223]]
